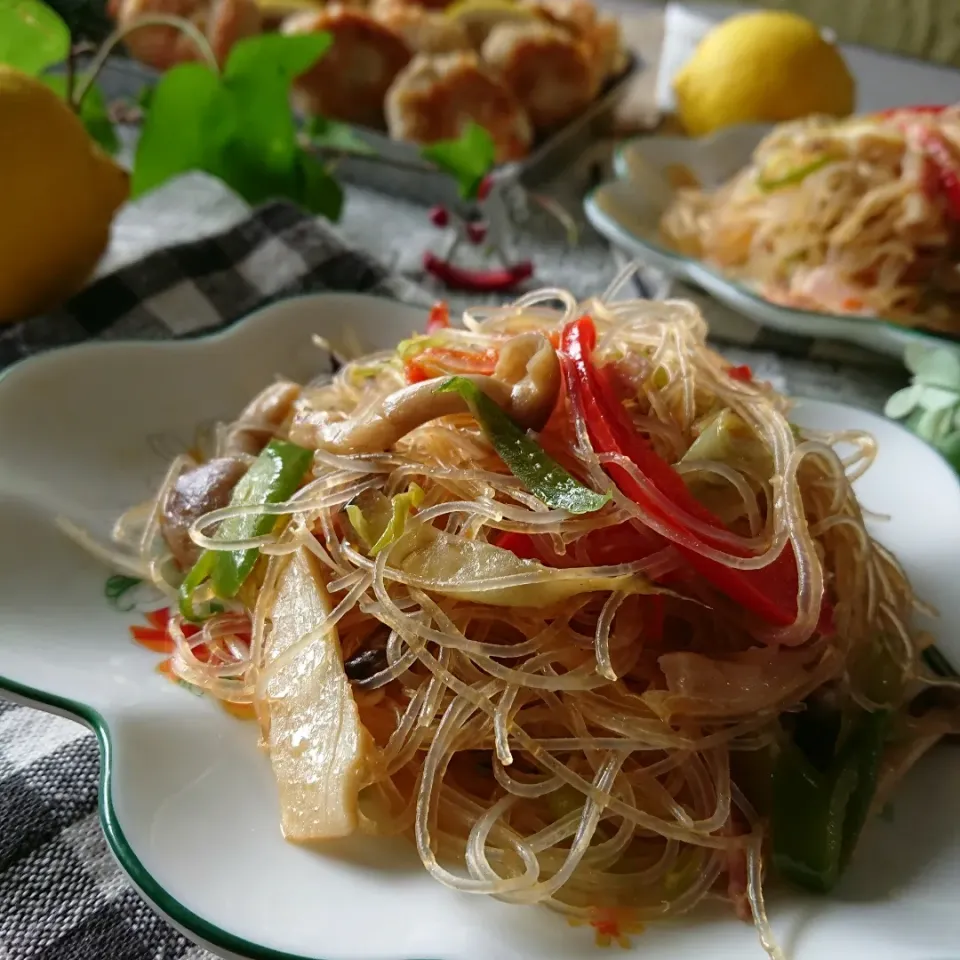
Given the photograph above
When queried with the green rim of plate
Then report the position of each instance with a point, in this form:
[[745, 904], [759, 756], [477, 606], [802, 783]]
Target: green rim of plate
[[168, 905], [621, 173]]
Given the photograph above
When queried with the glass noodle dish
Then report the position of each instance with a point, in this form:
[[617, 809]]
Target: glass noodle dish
[[563, 596], [858, 216]]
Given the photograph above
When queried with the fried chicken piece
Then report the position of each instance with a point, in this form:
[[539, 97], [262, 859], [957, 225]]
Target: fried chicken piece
[[549, 72], [350, 82], [437, 95], [423, 30], [222, 22], [579, 18]]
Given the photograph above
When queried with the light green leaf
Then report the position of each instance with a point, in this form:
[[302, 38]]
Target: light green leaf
[[93, 112], [937, 368], [950, 450], [176, 131], [936, 398], [468, 159], [914, 354], [934, 425], [902, 402], [275, 56], [337, 136], [32, 36]]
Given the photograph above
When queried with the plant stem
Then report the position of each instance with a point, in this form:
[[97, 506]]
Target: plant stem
[[156, 20], [71, 73]]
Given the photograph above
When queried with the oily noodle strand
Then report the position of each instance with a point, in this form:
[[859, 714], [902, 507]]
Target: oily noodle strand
[[856, 229], [568, 755]]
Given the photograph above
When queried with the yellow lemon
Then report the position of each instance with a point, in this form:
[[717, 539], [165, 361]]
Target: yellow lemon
[[60, 192], [768, 66]]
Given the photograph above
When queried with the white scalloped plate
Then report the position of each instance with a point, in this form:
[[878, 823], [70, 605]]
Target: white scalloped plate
[[627, 211], [187, 801]]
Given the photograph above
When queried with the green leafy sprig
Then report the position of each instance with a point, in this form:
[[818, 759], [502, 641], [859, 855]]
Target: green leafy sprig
[[236, 124], [930, 405]]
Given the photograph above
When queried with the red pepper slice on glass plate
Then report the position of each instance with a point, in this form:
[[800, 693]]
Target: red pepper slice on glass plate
[[769, 592]]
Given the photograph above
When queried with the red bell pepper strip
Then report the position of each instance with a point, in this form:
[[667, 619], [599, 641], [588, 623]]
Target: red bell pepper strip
[[945, 163], [771, 591], [928, 108], [439, 318], [742, 373]]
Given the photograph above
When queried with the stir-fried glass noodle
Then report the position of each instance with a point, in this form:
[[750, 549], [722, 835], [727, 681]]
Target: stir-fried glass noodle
[[857, 216], [594, 623]]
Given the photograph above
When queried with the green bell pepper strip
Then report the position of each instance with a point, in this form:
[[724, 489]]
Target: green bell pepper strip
[[525, 458], [794, 176], [818, 813], [272, 478]]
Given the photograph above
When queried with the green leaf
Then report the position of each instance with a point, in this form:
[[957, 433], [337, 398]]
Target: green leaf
[[238, 127], [468, 159], [318, 191], [903, 402], [936, 398], [32, 36], [276, 56], [934, 425], [93, 112], [933, 367], [337, 136], [176, 130], [949, 448]]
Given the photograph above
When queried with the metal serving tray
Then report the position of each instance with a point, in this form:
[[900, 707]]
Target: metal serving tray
[[397, 168]]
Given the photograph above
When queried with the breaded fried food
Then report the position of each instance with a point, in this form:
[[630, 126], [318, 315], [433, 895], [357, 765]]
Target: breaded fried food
[[437, 95], [351, 80], [423, 30], [549, 72], [579, 18]]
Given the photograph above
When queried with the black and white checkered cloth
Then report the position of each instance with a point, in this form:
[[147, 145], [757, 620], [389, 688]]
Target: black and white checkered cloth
[[200, 287], [62, 896]]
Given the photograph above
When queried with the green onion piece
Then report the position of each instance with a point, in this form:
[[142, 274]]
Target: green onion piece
[[525, 458], [819, 809], [794, 176], [272, 478], [199, 573]]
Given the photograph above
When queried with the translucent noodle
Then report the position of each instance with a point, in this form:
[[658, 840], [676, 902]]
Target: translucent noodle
[[839, 217], [582, 750]]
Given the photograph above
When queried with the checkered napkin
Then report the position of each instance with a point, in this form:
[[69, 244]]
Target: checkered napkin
[[203, 286], [62, 897]]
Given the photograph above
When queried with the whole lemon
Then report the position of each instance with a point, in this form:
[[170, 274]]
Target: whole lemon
[[60, 192], [762, 67]]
